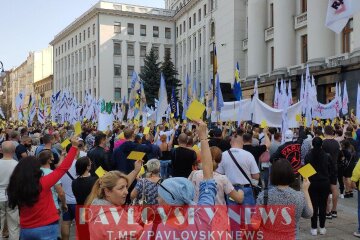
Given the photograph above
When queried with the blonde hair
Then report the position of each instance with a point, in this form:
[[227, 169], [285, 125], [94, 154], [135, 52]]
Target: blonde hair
[[107, 181]]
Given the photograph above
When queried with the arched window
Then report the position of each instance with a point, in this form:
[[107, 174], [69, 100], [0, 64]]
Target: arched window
[[212, 29]]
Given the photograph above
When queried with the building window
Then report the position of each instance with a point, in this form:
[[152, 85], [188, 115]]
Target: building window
[[117, 94], [155, 31], [117, 48], [94, 71], [272, 58], [130, 49], [189, 44], [177, 31], [94, 29], [72, 42], [117, 70], [89, 51], [303, 6], [88, 32], [304, 49], [168, 33], [200, 64], [84, 54], [195, 42], [130, 29], [194, 18], [142, 51], [212, 30], [143, 30], [271, 15], [189, 22], [184, 26], [84, 35], [84, 74], [75, 40], [194, 65], [212, 5], [156, 51], [79, 37], [199, 14], [212, 57], [205, 8], [347, 37], [199, 38], [89, 73], [117, 27], [130, 70]]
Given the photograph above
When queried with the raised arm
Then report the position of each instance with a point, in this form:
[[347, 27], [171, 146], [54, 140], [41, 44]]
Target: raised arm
[[132, 175], [206, 159], [49, 180]]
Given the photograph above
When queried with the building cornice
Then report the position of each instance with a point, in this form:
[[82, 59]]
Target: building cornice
[[185, 9], [96, 11]]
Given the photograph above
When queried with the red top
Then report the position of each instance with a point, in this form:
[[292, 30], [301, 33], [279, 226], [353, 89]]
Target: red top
[[44, 211]]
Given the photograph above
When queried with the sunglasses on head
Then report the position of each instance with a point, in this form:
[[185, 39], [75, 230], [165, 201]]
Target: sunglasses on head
[[160, 185]]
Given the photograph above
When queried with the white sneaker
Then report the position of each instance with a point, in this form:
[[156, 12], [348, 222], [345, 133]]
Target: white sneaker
[[313, 231], [322, 231], [341, 195]]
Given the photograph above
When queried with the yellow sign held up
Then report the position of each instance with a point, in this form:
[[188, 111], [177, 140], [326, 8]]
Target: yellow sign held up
[[195, 111], [298, 117], [136, 155], [146, 130], [307, 171], [77, 128], [100, 172], [263, 124], [65, 143]]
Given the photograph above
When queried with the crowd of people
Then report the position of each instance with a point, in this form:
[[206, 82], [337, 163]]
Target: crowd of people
[[42, 181]]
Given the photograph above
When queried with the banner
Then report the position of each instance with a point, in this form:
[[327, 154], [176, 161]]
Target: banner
[[327, 111], [273, 116], [234, 111]]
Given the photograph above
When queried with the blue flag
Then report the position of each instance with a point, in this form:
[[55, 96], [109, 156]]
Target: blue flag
[[218, 95]]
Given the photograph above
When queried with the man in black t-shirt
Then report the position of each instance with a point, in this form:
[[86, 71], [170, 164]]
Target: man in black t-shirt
[[182, 158], [332, 147], [22, 150]]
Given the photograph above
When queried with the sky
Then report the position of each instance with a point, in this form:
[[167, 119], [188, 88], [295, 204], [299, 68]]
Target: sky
[[30, 25]]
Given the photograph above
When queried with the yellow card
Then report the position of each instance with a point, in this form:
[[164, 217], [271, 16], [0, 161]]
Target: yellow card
[[263, 124], [195, 110], [172, 115], [307, 171], [146, 130], [100, 172], [136, 155], [65, 143], [196, 148], [142, 171], [77, 128], [53, 124], [298, 117]]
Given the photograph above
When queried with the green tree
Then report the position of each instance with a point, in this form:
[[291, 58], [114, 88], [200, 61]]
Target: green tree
[[169, 71], [151, 76]]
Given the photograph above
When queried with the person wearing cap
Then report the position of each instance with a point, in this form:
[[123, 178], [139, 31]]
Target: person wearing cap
[[291, 151], [146, 189]]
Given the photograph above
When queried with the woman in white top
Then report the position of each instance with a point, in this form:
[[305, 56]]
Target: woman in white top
[[223, 184]]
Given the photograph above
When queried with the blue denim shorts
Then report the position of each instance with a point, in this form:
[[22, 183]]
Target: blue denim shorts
[[70, 214], [48, 232]]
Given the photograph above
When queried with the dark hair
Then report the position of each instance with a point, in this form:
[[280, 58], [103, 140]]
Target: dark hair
[[24, 186], [44, 156], [247, 138], [282, 173], [47, 138], [317, 143], [81, 165], [98, 137], [277, 136], [329, 130]]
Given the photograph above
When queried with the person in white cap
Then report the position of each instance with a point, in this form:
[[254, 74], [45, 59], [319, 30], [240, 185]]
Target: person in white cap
[[290, 150]]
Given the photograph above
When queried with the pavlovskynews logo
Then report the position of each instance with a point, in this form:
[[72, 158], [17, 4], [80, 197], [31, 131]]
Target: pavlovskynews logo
[[185, 222]]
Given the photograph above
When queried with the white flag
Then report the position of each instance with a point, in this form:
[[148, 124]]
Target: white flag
[[339, 13], [256, 90], [289, 94], [345, 101], [163, 103], [358, 104], [276, 97]]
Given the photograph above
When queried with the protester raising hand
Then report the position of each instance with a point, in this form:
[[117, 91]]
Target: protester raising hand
[[75, 141], [206, 159]]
